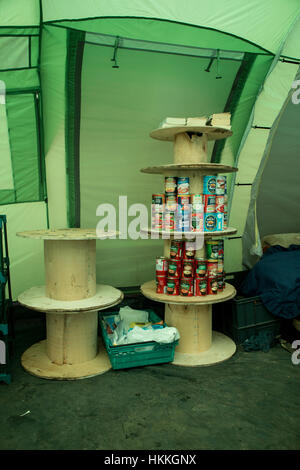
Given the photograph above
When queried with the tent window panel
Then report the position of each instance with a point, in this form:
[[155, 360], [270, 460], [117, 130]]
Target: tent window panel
[[25, 150], [14, 52], [6, 175], [119, 108]]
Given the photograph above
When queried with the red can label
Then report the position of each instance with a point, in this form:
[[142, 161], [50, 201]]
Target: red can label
[[197, 221], [157, 220], [221, 283], [212, 285], [174, 268], [183, 185], [176, 249], [172, 286], [212, 268], [187, 287], [188, 268], [169, 221], [209, 203], [221, 185], [161, 266], [220, 201], [220, 266], [161, 284], [200, 267], [201, 286], [188, 250]]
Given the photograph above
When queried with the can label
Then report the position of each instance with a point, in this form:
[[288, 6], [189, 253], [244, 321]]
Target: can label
[[172, 286], [221, 249], [188, 268], [183, 185], [200, 267], [220, 281], [221, 185], [220, 221], [212, 286], [188, 250], [183, 221], [212, 250], [197, 199], [187, 287], [170, 184], [158, 199], [171, 202], [225, 220], [161, 284], [200, 286], [197, 221], [161, 266], [183, 199], [174, 268], [176, 249], [169, 221], [209, 203], [209, 184], [212, 268], [210, 222], [157, 220], [220, 201], [220, 266]]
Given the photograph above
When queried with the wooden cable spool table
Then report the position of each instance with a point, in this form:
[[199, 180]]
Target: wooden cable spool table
[[192, 316], [71, 300]]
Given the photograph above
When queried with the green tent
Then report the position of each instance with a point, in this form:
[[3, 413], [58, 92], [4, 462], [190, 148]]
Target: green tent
[[82, 84]]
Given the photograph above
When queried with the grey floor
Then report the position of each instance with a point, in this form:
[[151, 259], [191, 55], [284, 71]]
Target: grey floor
[[248, 402]]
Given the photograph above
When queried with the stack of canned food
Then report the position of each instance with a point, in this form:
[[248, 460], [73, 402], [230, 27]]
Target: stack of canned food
[[187, 275], [178, 210]]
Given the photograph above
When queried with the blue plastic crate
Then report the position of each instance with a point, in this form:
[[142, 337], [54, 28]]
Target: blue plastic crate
[[137, 354]]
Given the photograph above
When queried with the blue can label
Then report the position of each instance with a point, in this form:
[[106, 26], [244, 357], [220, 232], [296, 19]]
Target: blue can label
[[210, 222], [183, 185], [209, 184], [220, 221]]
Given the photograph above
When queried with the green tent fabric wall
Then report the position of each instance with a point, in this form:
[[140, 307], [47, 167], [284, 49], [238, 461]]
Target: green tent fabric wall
[[51, 110]]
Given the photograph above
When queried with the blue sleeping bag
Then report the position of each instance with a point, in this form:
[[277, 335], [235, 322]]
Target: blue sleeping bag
[[276, 280]]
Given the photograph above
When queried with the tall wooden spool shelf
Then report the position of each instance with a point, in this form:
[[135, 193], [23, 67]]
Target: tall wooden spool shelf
[[192, 316], [71, 300]]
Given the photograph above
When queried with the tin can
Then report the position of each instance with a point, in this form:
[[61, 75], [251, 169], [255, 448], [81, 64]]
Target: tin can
[[171, 202], [220, 185], [187, 268], [169, 221], [161, 266], [183, 199], [197, 199], [183, 219], [220, 221], [220, 201], [200, 267], [170, 184], [174, 268], [221, 284], [210, 222], [172, 286], [188, 250], [161, 284], [212, 285], [209, 184], [158, 199], [225, 220], [197, 222], [200, 286], [212, 268], [187, 287], [183, 185], [176, 248], [212, 250], [220, 266], [221, 249], [209, 203], [157, 220]]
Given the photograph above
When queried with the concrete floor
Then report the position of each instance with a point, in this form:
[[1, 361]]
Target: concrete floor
[[248, 402]]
